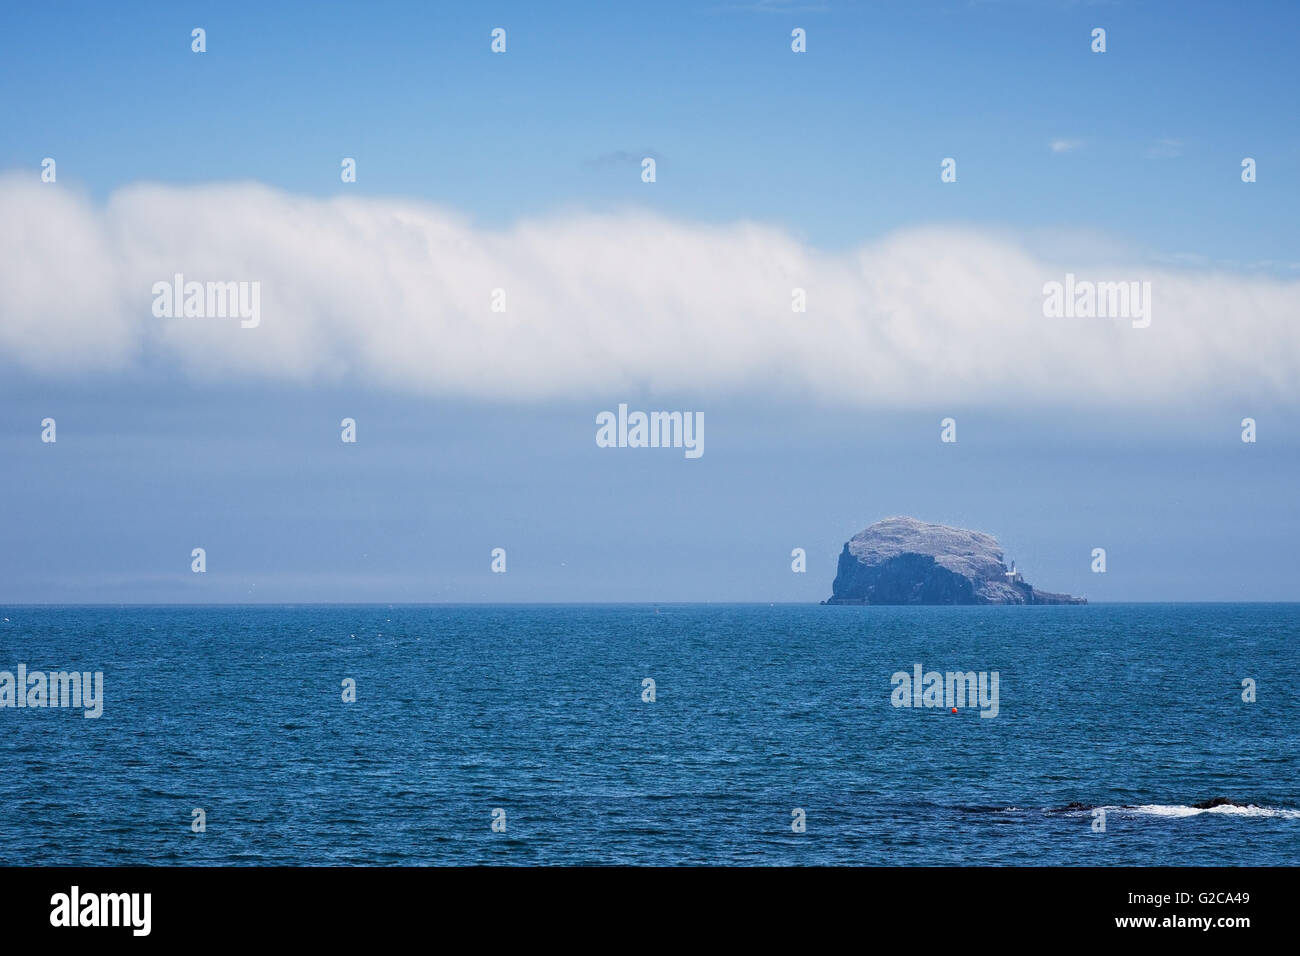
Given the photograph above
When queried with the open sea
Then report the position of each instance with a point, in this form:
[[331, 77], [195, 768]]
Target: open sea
[[535, 715]]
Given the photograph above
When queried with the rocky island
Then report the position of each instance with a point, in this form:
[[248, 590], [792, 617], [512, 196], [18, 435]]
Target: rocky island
[[905, 561]]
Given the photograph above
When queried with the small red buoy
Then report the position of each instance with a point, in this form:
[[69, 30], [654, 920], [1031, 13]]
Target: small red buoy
[[954, 710]]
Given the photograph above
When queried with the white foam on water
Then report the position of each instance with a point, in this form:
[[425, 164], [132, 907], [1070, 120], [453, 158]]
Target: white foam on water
[[1181, 810], [1257, 812]]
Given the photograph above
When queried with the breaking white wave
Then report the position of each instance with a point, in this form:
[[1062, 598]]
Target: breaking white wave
[[1181, 810]]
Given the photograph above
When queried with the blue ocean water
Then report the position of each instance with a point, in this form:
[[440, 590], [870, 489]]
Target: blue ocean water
[[758, 710]]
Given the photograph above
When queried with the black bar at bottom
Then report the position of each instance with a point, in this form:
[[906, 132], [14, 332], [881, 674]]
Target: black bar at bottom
[[337, 905]]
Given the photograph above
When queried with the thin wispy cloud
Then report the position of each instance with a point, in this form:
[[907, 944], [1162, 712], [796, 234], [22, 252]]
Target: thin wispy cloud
[[1065, 145], [397, 295], [1165, 149]]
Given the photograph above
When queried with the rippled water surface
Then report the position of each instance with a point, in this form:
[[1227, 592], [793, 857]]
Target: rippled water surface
[[759, 710]]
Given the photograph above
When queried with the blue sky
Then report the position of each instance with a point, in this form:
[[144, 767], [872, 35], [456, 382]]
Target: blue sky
[[181, 442], [839, 144]]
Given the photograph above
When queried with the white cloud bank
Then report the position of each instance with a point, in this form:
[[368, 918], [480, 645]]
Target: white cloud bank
[[396, 295]]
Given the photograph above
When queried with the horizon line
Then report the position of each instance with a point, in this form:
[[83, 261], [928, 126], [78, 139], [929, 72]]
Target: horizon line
[[156, 604]]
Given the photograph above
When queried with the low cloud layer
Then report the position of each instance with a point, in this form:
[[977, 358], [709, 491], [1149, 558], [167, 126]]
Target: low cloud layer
[[397, 295]]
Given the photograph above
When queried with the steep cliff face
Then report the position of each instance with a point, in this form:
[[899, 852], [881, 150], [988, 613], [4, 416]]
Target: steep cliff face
[[905, 561]]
